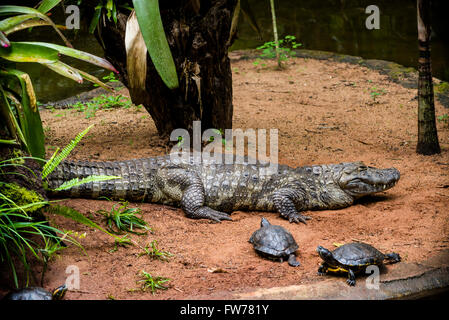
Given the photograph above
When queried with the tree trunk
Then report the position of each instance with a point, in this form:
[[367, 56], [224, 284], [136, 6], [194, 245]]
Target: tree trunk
[[427, 131], [197, 33]]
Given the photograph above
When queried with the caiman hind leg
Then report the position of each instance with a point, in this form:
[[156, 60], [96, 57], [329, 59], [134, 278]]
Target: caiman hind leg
[[286, 200], [185, 186]]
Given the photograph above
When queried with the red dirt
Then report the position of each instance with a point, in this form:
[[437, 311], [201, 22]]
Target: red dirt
[[325, 114]]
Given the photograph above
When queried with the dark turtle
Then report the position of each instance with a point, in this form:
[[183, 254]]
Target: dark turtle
[[37, 293], [274, 242], [352, 258]]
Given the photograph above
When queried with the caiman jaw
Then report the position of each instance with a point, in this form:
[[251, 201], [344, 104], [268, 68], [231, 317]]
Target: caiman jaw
[[359, 180]]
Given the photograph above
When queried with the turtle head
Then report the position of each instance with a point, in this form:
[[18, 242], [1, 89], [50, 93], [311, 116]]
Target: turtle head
[[264, 223], [327, 256], [357, 179], [59, 292]]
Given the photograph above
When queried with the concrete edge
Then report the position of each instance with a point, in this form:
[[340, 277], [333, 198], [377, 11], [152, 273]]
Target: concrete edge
[[399, 281], [417, 286]]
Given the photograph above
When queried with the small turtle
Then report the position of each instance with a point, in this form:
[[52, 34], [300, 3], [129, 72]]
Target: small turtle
[[274, 242], [37, 293], [352, 258]]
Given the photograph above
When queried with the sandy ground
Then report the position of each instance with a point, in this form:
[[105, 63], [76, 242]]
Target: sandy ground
[[325, 114]]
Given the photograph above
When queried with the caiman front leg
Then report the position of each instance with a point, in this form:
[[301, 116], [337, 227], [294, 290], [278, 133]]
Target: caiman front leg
[[286, 200], [185, 186]]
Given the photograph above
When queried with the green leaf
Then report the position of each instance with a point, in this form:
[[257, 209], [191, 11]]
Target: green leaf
[[150, 23], [23, 52], [78, 217], [56, 159], [95, 19], [75, 216], [4, 42], [114, 13], [77, 54], [77, 182], [47, 5], [109, 5], [11, 142], [11, 121], [11, 22], [36, 13], [65, 70], [28, 113], [30, 24], [95, 80]]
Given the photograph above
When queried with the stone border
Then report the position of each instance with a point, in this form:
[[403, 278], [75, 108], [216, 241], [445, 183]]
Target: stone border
[[426, 279]]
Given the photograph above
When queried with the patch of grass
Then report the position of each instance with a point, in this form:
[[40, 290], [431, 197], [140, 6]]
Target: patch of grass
[[151, 283], [102, 102], [111, 77], [121, 242], [122, 219], [286, 50], [375, 92], [112, 101], [48, 251], [155, 252], [21, 235], [444, 118], [442, 87]]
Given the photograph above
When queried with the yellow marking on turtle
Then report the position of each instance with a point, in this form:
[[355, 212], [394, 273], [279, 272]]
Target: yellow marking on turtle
[[337, 269], [337, 244]]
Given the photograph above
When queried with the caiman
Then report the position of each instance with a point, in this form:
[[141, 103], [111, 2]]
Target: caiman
[[212, 190]]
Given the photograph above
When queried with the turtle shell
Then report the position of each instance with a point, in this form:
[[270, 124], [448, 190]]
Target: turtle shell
[[273, 240], [358, 254], [30, 293]]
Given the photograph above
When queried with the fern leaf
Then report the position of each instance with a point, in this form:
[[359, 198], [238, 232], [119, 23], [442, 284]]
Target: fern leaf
[[77, 216], [49, 161], [56, 159], [76, 182]]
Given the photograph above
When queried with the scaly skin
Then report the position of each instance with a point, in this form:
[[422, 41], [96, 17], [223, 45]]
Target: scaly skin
[[213, 190]]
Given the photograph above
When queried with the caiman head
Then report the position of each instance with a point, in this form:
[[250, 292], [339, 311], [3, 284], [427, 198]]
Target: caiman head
[[357, 179]]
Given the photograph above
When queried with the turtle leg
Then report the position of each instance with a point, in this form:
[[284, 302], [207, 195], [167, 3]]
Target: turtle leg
[[292, 261], [322, 269], [393, 257], [351, 278], [285, 201]]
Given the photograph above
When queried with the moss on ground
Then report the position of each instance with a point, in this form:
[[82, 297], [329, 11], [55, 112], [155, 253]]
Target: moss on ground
[[22, 197]]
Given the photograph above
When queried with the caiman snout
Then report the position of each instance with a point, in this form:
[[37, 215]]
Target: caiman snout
[[383, 179], [359, 180]]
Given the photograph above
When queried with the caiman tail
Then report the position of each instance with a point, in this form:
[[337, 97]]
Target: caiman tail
[[137, 181]]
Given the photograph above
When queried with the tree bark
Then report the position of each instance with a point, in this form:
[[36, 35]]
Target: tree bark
[[427, 131], [197, 33]]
